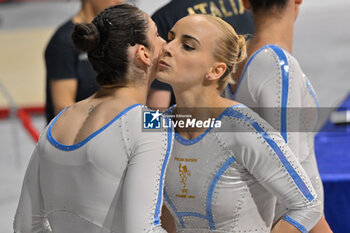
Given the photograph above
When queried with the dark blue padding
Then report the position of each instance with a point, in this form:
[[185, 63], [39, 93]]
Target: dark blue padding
[[332, 148]]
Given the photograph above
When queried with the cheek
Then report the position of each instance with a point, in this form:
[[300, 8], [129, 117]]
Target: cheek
[[193, 66], [157, 50], [160, 45], [155, 43], [187, 71]]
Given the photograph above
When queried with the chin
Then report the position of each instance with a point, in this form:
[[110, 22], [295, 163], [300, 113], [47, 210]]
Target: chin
[[161, 76]]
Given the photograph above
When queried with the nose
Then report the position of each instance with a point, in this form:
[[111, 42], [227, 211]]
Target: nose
[[162, 42], [167, 48]]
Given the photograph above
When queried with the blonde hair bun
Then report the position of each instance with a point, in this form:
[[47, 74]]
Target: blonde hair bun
[[242, 48]]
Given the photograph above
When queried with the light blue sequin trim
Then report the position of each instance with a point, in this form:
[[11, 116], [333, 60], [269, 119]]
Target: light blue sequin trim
[[174, 208], [283, 62], [312, 92], [232, 96], [300, 227], [63, 147], [188, 142], [161, 182], [211, 191], [209, 214], [295, 176]]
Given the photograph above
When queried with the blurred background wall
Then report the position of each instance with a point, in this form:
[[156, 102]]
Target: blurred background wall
[[322, 45]]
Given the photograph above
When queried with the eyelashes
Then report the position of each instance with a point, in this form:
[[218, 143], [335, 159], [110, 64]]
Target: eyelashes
[[184, 45], [187, 47]]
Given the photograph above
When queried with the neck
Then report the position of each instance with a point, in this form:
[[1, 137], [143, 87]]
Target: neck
[[195, 98], [86, 13], [127, 94], [272, 29], [132, 93], [200, 102]]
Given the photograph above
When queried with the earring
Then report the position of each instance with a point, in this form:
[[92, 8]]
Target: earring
[[209, 77]]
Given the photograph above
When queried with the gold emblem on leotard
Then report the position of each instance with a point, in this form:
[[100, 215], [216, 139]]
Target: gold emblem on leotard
[[184, 174]]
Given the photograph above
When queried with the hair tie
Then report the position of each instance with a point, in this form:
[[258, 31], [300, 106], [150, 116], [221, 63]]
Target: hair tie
[[108, 24]]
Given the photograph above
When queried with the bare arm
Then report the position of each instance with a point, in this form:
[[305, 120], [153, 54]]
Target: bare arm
[[284, 227], [167, 220], [63, 93], [321, 227]]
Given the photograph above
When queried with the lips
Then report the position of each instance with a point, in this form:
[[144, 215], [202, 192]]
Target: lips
[[162, 63]]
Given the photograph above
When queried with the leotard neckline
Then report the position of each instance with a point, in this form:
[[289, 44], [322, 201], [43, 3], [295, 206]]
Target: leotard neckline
[[64, 147], [184, 141]]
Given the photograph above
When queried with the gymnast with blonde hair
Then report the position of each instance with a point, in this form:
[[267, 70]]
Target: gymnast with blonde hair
[[225, 177]]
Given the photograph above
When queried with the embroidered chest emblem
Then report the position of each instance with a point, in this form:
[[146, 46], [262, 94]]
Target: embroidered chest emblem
[[184, 173]]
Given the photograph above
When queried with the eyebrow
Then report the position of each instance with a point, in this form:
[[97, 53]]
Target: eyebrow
[[186, 37]]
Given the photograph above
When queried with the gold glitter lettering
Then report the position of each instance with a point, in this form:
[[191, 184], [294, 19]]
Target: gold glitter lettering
[[201, 7], [214, 12], [223, 9]]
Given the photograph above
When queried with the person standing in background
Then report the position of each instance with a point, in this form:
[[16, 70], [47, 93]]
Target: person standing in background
[[231, 11], [69, 75], [274, 85]]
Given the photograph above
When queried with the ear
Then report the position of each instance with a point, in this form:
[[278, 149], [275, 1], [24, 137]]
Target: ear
[[246, 4], [217, 71], [298, 2], [143, 55]]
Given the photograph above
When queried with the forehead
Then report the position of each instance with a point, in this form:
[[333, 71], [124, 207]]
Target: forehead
[[151, 24], [196, 26]]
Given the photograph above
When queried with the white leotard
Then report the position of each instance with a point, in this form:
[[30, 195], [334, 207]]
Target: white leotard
[[274, 85], [227, 179], [110, 182]]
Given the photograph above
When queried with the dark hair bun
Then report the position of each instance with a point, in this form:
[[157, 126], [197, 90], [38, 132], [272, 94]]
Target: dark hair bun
[[86, 37]]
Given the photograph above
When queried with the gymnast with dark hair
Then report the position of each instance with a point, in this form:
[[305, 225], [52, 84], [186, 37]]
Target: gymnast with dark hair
[[94, 169]]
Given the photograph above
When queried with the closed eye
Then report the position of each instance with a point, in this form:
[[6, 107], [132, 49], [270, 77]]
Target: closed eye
[[188, 47]]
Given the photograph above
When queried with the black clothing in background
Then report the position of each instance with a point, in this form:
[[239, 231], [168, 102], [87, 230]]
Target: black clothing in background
[[63, 61], [232, 11]]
